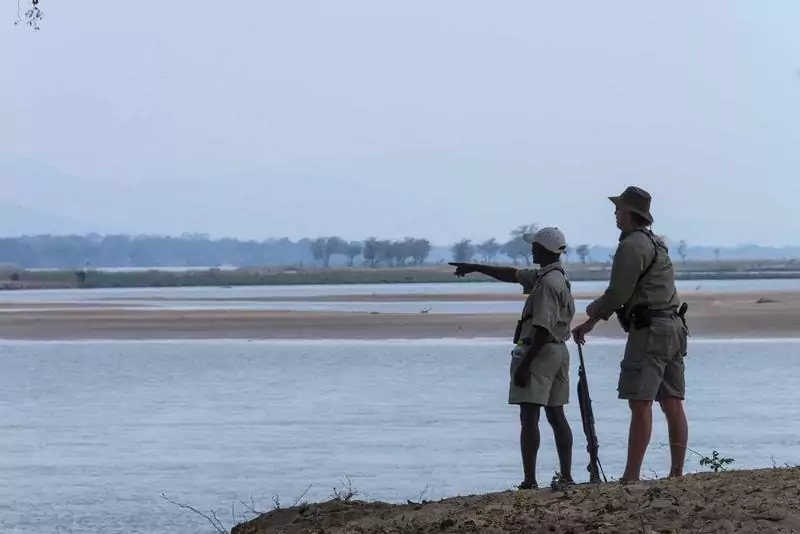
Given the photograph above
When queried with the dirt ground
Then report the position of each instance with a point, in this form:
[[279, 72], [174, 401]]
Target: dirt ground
[[765, 500]]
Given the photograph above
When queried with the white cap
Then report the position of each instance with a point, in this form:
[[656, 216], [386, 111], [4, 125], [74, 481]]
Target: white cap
[[549, 237]]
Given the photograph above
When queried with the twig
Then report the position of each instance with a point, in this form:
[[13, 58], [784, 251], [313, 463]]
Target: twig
[[300, 498], [420, 497], [213, 520], [345, 494], [249, 508]]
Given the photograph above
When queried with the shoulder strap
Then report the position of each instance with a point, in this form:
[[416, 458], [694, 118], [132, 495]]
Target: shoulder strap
[[655, 255], [564, 273]]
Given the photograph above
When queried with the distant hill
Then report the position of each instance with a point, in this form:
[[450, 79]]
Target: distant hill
[[17, 220], [34, 198], [39, 200]]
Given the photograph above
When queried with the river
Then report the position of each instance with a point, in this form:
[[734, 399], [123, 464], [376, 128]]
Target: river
[[92, 433]]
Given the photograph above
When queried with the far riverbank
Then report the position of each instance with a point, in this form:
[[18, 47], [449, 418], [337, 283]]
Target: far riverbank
[[711, 315], [212, 277]]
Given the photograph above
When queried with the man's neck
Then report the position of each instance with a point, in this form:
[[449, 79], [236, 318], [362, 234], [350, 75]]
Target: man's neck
[[629, 231], [548, 262]]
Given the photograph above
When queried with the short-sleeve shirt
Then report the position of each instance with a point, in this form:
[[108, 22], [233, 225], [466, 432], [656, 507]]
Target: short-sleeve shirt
[[549, 304]]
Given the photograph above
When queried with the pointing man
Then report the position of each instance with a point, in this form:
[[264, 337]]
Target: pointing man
[[642, 293], [539, 366]]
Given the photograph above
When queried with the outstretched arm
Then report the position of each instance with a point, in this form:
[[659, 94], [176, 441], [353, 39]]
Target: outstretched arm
[[503, 274]]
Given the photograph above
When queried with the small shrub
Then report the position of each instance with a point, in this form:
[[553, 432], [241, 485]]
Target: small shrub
[[716, 463], [346, 493]]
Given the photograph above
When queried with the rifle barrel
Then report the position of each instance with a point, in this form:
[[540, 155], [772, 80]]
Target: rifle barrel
[[587, 415]]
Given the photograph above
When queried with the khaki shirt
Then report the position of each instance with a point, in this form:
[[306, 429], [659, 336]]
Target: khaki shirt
[[657, 289], [549, 304]]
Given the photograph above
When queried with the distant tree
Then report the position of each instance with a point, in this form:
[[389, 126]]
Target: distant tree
[[370, 252], [153, 251], [318, 247], [400, 251], [410, 250], [463, 251], [716, 253], [583, 252], [333, 246], [420, 250], [516, 248], [489, 249], [352, 250], [385, 252], [683, 250]]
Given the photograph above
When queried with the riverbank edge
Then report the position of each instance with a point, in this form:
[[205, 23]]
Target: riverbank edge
[[153, 278], [752, 500], [734, 315]]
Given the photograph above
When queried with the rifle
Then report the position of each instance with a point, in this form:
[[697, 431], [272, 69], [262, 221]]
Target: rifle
[[587, 416]]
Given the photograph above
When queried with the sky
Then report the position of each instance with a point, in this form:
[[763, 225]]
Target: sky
[[444, 119]]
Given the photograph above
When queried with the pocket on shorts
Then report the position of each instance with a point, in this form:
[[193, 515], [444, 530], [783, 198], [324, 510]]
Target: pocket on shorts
[[630, 377], [684, 341], [663, 343]]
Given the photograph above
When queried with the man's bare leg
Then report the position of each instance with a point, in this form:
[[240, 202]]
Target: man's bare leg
[[641, 427], [678, 430], [563, 436], [529, 440]]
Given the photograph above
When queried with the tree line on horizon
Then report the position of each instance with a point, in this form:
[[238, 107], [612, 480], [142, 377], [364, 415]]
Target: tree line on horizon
[[199, 250]]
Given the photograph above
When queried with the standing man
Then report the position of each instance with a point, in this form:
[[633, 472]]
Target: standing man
[[540, 360], [642, 293]]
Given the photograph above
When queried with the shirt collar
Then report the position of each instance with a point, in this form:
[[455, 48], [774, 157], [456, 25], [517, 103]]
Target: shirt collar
[[544, 270]]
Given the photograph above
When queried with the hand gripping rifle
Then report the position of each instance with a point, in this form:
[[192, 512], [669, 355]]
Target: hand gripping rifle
[[587, 416]]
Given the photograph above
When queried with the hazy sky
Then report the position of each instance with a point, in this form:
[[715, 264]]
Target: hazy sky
[[444, 118]]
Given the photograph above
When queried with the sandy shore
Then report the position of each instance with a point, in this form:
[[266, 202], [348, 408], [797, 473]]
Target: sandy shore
[[765, 500], [692, 296], [710, 315]]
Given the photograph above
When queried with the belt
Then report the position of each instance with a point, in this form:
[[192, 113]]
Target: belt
[[662, 313], [526, 342], [680, 312]]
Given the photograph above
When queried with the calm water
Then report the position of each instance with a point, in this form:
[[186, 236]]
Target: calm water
[[499, 306], [123, 294], [91, 433], [203, 297]]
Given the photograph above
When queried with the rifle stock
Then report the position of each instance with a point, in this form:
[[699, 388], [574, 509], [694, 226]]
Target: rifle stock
[[587, 417]]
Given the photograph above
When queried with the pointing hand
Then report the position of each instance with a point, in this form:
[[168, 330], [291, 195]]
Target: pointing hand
[[462, 268]]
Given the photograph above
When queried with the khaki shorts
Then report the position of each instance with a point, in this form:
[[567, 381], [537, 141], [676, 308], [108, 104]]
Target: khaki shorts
[[652, 367], [548, 384]]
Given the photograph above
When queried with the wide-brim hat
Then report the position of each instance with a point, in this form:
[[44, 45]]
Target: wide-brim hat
[[634, 199]]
